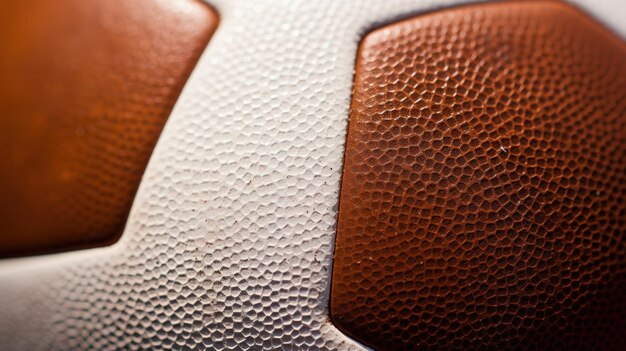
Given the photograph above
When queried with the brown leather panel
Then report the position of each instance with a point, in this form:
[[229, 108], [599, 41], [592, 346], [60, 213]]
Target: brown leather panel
[[483, 196], [86, 89]]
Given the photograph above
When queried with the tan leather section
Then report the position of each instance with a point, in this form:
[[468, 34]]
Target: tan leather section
[[86, 89], [483, 196]]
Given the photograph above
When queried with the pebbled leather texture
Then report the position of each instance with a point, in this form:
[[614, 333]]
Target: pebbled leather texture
[[483, 194], [86, 89], [229, 242]]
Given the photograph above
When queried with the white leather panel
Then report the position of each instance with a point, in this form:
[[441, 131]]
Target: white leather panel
[[229, 242]]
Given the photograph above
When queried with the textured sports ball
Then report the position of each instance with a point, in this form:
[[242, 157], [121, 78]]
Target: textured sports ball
[[329, 175]]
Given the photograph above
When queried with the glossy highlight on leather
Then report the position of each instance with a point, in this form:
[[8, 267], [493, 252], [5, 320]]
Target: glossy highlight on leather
[[482, 200], [86, 89]]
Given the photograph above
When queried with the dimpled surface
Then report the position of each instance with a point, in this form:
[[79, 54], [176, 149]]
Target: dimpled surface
[[482, 202], [229, 242]]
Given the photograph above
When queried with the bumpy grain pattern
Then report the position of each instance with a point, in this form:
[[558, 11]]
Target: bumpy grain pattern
[[229, 242], [483, 196], [86, 89]]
